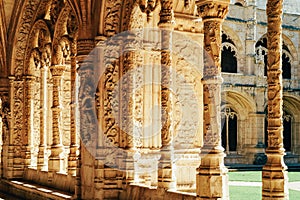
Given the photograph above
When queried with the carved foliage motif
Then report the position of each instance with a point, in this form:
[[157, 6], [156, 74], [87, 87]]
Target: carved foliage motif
[[212, 44], [55, 9], [127, 99], [212, 121], [274, 78], [126, 17], [166, 12], [112, 17], [210, 13], [22, 36], [18, 115], [187, 79], [5, 119], [212, 10], [166, 98], [110, 98], [62, 52]]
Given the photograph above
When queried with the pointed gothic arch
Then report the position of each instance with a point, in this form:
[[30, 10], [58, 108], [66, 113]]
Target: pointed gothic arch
[[288, 55], [242, 106]]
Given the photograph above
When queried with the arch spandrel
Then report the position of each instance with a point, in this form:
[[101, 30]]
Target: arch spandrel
[[235, 38], [242, 103], [292, 105], [23, 28]]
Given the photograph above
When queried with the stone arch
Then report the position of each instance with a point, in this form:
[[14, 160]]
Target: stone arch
[[235, 38], [288, 57], [242, 103], [39, 37], [238, 46], [244, 106], [291, 104], [240, 2], [65, 32], [23, 28], [291, 47]]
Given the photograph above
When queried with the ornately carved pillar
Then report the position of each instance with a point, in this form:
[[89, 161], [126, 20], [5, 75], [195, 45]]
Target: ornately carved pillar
[[85, 105], [128, 131], [56, 158], [74, 145], [29, 84], [274, 175], [211, 178], [165, 167], [43, 118]]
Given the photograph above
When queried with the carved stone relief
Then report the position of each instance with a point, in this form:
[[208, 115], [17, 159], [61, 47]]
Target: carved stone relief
[[112, 16]]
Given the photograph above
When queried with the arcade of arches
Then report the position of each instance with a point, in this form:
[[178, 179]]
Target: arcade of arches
[[114, 100]]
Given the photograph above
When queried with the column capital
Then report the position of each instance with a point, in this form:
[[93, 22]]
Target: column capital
[[57, 70], [166, 15], [85, 46], [212, 9]]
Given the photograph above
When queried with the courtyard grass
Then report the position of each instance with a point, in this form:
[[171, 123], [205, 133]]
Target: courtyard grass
[[255, 192], [255, 176]]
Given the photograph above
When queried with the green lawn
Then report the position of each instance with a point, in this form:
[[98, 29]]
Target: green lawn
[[254, 192], [255, 176]]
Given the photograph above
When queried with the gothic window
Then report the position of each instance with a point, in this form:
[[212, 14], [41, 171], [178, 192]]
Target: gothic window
[[229, 55], [229, 129], [287, 131], [261, 56], [240, 2]]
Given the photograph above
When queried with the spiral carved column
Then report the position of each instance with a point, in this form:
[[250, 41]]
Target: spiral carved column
[[211, 178], [274, 175], [55, 158]]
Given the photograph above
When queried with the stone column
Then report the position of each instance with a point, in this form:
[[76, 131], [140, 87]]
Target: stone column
[[72, 159], [85, 161], [128, 132], [55, 158], [165, 169], [29, 95], [250, 38], [211, 178], [274, 174], [43, 118]]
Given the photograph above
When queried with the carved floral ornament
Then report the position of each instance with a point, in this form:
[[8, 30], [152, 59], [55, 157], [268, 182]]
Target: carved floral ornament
[[212, 8]]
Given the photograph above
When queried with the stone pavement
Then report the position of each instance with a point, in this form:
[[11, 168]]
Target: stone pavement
[[291, 185]]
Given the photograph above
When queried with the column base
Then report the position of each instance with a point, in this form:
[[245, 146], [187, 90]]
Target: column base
[[275, 178], [55, 162], [72, 160], [212, 178], [41, 159], [165, 170]]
